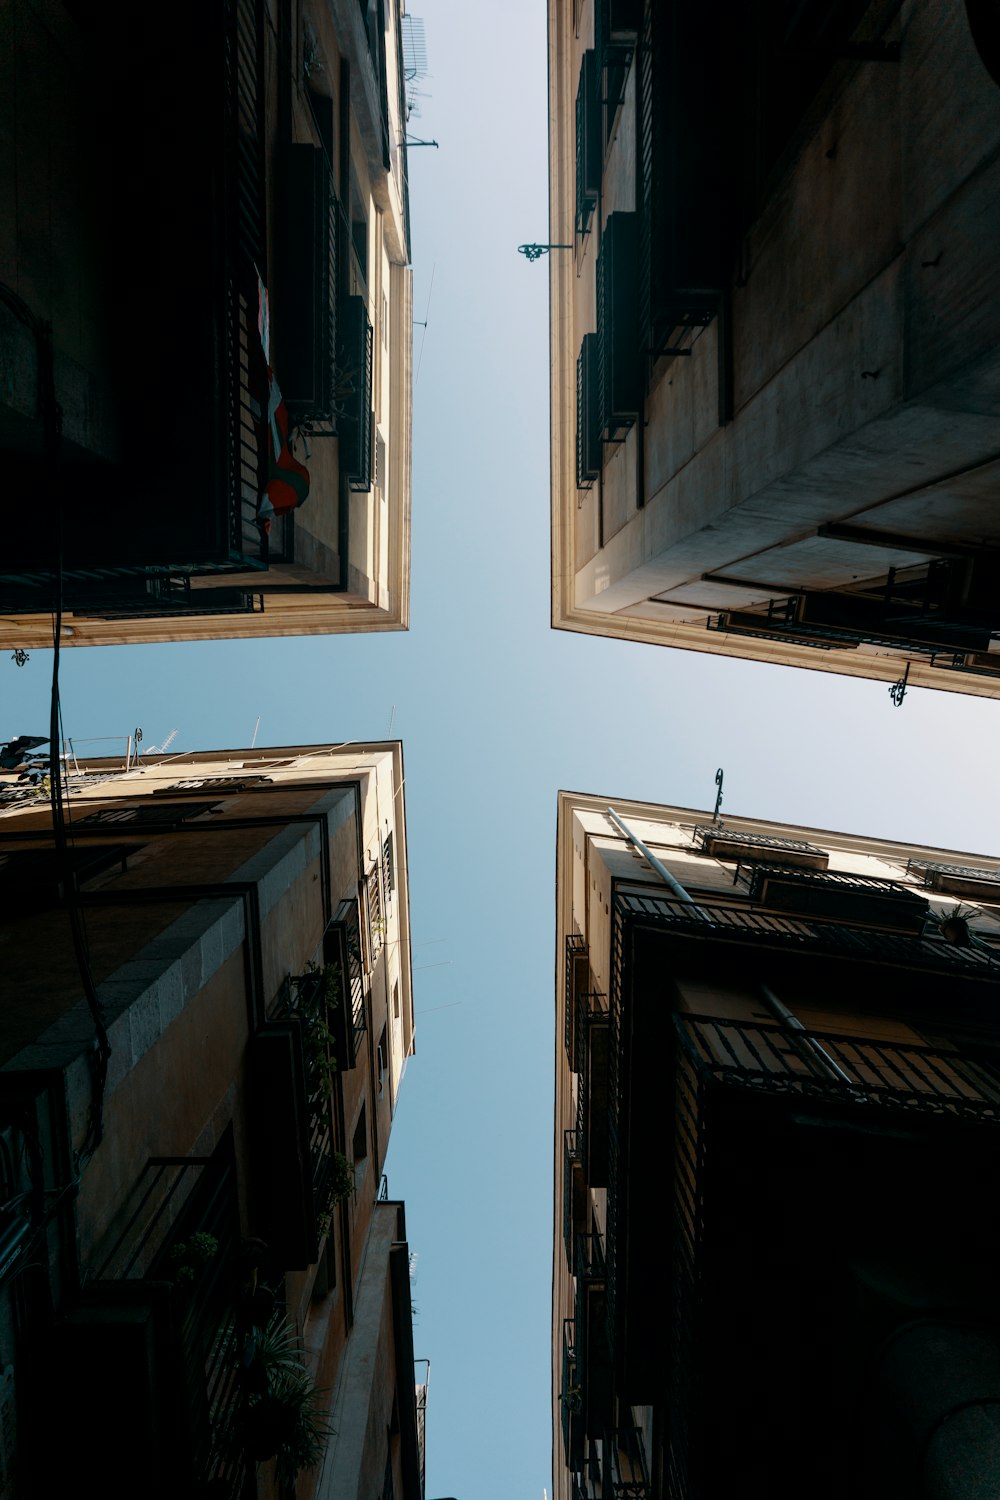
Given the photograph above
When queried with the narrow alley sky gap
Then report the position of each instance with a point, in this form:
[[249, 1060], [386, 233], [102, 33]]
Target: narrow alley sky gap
[[496, 712]]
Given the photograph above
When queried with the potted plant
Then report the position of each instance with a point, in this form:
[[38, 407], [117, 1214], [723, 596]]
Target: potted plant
[[284, 1419], [188, 1258]]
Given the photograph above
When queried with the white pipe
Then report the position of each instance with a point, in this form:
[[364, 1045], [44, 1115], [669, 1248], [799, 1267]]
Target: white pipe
[[781, 1012], [676, 888], [774, 1005]]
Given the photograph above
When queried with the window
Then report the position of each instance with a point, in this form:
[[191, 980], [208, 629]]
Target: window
[[162, 816], [395, 999], [359, 1147], [354, 359], [389, 865], [617, 325], [376, 919], [588, 142], [588, 413], [379, 466], [382, 1062]]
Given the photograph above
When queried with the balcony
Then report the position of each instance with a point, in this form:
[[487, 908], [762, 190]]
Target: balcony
[[861, 1072], [588, 142], [354, 375], [307, 229], [306, 1000], [574, 1194], [294, 1057], [957, 880], [577, 978], [593, 1368], [617, 324], [616, 25], [837, 896], [342, 948], [625, 1473], [726, 925], [154, 1337], [571, 1400], [588, 413], [592, 1086], [734, 843]]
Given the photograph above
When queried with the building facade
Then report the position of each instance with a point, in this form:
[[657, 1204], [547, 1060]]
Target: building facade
[[206, 319], [208, 1011], [775, 315], [777, 1118]]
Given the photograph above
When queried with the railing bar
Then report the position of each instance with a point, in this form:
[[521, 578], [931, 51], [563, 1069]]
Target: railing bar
[[125, 1232]]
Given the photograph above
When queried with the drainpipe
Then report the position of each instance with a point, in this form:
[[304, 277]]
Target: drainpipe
[[676, 889], [777, 1008], [782, 1014]]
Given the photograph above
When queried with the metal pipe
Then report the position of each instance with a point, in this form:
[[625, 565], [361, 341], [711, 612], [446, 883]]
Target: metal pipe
[[781, 1013], [777, 1007], [676, 889]]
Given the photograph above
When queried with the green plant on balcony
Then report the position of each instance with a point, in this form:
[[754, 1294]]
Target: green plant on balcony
[[341, 1186], [315, 1001], [188, 1258], [284, 1420]]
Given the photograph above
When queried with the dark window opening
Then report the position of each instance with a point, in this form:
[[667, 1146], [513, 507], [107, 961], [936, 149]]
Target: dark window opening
[[359, 1142]]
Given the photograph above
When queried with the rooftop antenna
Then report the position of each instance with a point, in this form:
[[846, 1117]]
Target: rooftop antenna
[[391, 717], [159, 749], [255, 729], [719, 778]]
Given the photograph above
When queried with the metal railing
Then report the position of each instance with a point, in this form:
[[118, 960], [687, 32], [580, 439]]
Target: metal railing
[[175, 1198], [304, 998], [703, 834], [376, 917], [571, 1398], [354, 979], [591, 1011], [869, 1072], [751, 873], [572, 1169], [926, 870], [576, 952], [590, 1261], [626, 1475], [744, 924]]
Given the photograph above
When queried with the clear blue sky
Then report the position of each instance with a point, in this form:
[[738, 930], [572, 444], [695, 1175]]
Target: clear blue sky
[[496, 712]]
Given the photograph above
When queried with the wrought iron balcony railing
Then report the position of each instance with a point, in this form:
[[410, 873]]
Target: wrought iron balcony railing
[[574, 1194], [590, 1263], [354, 364], [305, 999], [183, 1227], [626, 1475], [733, 843], [593, 1349], [589, 145], [957, 880], [571, 1399], [746, 925], [577, 963], [342, 946], [862, 1071], [836, 895], [592, 1018]]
